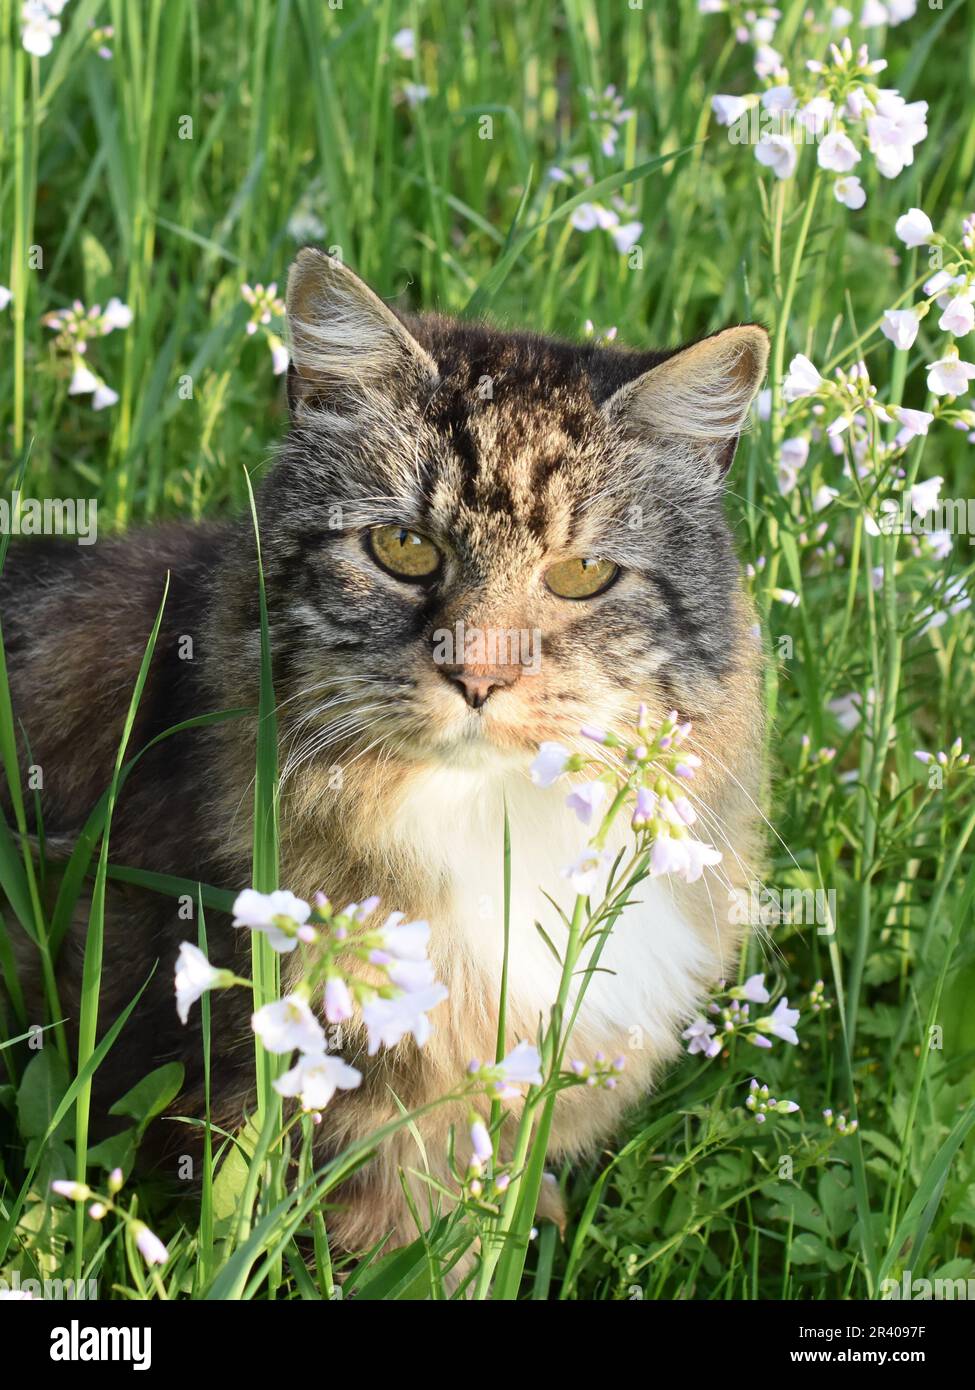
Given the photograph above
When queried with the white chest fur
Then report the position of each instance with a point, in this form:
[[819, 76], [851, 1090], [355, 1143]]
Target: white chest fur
[[450, 826]]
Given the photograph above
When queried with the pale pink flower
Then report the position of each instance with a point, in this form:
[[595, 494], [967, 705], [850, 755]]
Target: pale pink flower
[[481, 1142], [778, 153], [754, 990], [816, 116], [404, 43], [288, 1024], [894, 130], [115, 315], [103, 397], [277, 915], [950, 376], [338, 1000], [699, 857], [802, 379], [587, 800], [913, 422], [194, 976], [402, 940], [850, 192], [549, 764], [837, 153], [699, 1037], [958, 318], [781, 1022], [411, 975], [315, 1078], [626, 236], [150, 1247], [583, 873], [924, 496], [389, 1020], [900, 326], [914, 228], [778, 99], [83, 381], [522, 1066], [74, 1191], [39, 28]]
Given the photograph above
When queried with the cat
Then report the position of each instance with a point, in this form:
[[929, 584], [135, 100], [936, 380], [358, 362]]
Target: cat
[[492, 458]]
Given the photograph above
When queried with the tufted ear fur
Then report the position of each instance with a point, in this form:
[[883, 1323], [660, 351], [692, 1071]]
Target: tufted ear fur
[[344, 340], [699, 397]]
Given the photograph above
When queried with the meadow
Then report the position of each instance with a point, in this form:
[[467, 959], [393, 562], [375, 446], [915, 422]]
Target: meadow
[[565, 167]]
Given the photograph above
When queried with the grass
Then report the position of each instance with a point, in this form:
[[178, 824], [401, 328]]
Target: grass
[[197, 159]]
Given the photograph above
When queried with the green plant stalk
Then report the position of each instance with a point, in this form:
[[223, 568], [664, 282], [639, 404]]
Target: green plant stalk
[[265, 962], [91, 977], [961, 915], [886, 708], [502, 1246], [12, 772], [785, 309]]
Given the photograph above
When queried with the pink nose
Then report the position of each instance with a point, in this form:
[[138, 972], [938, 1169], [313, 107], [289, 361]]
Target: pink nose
[[476, 689]]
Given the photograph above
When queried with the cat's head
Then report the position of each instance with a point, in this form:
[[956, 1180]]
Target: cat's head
[[476, 540]]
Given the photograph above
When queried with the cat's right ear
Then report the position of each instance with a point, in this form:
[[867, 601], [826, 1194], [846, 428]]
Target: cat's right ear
[[344, 340]]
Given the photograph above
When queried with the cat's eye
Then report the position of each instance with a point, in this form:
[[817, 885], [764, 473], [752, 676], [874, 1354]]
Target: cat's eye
[[583, 578], [404, 554]]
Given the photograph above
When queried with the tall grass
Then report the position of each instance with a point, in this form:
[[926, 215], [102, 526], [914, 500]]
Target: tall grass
[[198, 158]]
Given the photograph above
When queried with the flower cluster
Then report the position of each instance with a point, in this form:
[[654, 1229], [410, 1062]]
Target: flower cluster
[[731, 1017], [608, 113], [150, 1247], [952, 290], [761, 1104], [601, 1072], [504, 1080], [619, 219], [842, 1125], [818, 1003], [808, 759], [265, 305], [75, 327], [834, 103], [483, 1154], [950, 761], [658, 768], [329, 941], [40, 25]]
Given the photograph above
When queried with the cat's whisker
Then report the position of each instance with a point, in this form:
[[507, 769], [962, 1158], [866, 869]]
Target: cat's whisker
[[342, 730], [704, 753]]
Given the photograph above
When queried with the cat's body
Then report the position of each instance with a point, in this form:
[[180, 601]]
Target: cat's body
[[394, 776]]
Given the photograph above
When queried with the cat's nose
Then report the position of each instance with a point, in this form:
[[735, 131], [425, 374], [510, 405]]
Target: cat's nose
[[476, 689]]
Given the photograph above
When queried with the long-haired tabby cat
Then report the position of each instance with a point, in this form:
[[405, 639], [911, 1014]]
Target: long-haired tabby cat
[[435, 471]]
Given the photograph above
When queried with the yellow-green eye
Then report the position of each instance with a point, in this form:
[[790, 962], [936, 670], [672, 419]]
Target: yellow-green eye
[[404, 553], [581, 578]]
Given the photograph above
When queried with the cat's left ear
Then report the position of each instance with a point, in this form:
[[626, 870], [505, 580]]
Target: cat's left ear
[[699, 397]]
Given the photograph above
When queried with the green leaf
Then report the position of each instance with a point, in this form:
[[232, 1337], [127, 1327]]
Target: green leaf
[[117, 1151], [151, 1095], [42, 1089]]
